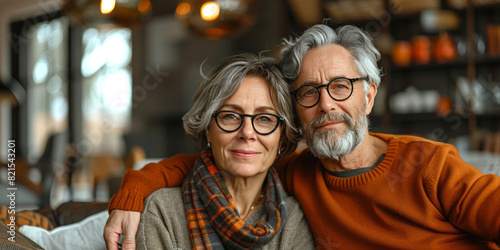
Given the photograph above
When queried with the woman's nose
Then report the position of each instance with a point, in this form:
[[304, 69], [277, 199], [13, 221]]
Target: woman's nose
[[246, 129]]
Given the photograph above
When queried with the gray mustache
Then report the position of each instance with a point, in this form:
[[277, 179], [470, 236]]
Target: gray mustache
[[332, 116]]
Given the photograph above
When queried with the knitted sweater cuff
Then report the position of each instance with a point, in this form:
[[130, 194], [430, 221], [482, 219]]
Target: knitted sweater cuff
[[126, 201]]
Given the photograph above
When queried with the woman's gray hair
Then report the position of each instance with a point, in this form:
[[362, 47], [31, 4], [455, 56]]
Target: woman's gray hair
[[223, 81], [356, 41]]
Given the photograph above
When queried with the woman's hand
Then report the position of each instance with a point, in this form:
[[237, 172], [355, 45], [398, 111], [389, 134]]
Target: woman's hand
[[124, 223]]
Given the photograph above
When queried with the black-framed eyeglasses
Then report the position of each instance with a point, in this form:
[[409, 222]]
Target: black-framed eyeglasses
[[262, 123], [339, 89]]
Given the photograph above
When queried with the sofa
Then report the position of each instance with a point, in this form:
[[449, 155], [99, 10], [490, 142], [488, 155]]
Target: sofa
[[70, 213]]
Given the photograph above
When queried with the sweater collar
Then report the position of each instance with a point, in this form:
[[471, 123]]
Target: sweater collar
[[350, 182]]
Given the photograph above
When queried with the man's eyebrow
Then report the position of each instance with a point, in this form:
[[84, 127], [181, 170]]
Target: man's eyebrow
[[338, 76], [306, 83], [312, 82]]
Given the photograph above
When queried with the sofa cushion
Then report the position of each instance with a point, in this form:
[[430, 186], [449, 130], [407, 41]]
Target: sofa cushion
[[84, 235], [26, 217], [73, 212]]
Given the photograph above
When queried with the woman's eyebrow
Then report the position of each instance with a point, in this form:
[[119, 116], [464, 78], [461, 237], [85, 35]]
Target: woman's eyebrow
[[266, 109], [231, 106], [260, 109]]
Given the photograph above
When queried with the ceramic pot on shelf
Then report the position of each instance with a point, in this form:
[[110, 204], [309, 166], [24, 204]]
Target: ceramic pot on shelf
[[421, 50]]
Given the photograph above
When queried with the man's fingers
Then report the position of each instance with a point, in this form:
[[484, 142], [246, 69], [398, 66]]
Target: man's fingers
[[113, 230], [112, 241], [130, 228], [128, 242], [121, 222]]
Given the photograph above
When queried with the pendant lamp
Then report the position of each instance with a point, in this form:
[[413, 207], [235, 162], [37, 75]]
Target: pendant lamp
[[216, 19], [122, 13]]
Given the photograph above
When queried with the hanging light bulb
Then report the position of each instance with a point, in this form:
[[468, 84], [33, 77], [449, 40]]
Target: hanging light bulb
[[182, 10], [144, 6], [128, 13], [107, 6], [216, 19], [209, 11]]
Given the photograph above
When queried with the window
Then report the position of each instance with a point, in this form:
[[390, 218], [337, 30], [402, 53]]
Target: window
[[41, 63], [47, 84], [107, 86]]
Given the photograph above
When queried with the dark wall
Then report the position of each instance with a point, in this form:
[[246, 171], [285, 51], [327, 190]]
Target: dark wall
[[166, 71]]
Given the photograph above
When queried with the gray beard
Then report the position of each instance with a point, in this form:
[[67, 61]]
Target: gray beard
[[329, 144]]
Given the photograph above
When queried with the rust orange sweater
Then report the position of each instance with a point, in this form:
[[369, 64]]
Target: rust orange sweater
[[421, 196]]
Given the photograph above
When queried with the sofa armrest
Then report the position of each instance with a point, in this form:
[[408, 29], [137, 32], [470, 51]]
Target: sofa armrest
[[72, 212]]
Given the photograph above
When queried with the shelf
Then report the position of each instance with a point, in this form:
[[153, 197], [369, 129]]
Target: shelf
[[433, 117], [462, 62], [408, 117], [441, 77], [416, 15]]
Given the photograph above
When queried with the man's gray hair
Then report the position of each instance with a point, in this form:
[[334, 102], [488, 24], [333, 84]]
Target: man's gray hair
[[223, 81], [358, 42]]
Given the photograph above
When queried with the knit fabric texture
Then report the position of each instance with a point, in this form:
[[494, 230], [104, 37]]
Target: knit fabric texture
[[421, 196], [164, 226]]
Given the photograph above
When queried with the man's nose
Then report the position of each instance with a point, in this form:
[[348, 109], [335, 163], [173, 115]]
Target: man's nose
[[326, 102]]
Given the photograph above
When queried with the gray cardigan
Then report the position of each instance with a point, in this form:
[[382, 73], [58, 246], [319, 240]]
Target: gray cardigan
[[163, 224]]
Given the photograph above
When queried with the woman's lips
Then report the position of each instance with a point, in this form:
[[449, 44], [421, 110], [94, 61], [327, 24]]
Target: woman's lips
[[245, 153]]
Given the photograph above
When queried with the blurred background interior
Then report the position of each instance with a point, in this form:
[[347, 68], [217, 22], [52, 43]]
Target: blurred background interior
[[90, 88]]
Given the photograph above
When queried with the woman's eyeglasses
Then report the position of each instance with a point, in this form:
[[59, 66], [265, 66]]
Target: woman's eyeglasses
[[263, 123]]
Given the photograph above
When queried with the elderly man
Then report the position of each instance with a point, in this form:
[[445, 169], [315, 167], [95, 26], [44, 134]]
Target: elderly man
[[357, 189]]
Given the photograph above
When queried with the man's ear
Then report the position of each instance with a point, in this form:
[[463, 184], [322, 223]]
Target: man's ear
[[370, 98]]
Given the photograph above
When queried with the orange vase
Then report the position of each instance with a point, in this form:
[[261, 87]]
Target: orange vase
[[421, 50], [401, 53], [444, 49], [445, 106]]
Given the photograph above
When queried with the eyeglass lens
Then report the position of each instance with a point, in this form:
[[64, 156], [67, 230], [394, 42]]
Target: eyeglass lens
[[231, 121], [339, 89]]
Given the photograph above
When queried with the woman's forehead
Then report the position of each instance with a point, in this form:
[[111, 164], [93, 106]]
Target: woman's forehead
[[254, 92]]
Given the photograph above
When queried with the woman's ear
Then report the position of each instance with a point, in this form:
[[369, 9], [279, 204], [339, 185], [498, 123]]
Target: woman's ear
[[207, 136], [281, 147]]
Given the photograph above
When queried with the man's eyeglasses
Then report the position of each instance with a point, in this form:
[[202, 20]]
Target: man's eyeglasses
[[263, 123], [339, 89]]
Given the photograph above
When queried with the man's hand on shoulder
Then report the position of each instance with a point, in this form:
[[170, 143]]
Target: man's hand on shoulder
[[124, 223]]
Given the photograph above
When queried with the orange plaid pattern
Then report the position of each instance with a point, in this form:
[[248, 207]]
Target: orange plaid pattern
[[214, 222]]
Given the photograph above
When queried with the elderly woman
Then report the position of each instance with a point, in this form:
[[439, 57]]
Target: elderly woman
[[232, 198]]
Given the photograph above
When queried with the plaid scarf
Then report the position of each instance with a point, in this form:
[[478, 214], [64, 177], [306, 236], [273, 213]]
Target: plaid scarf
[[214, 222]]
